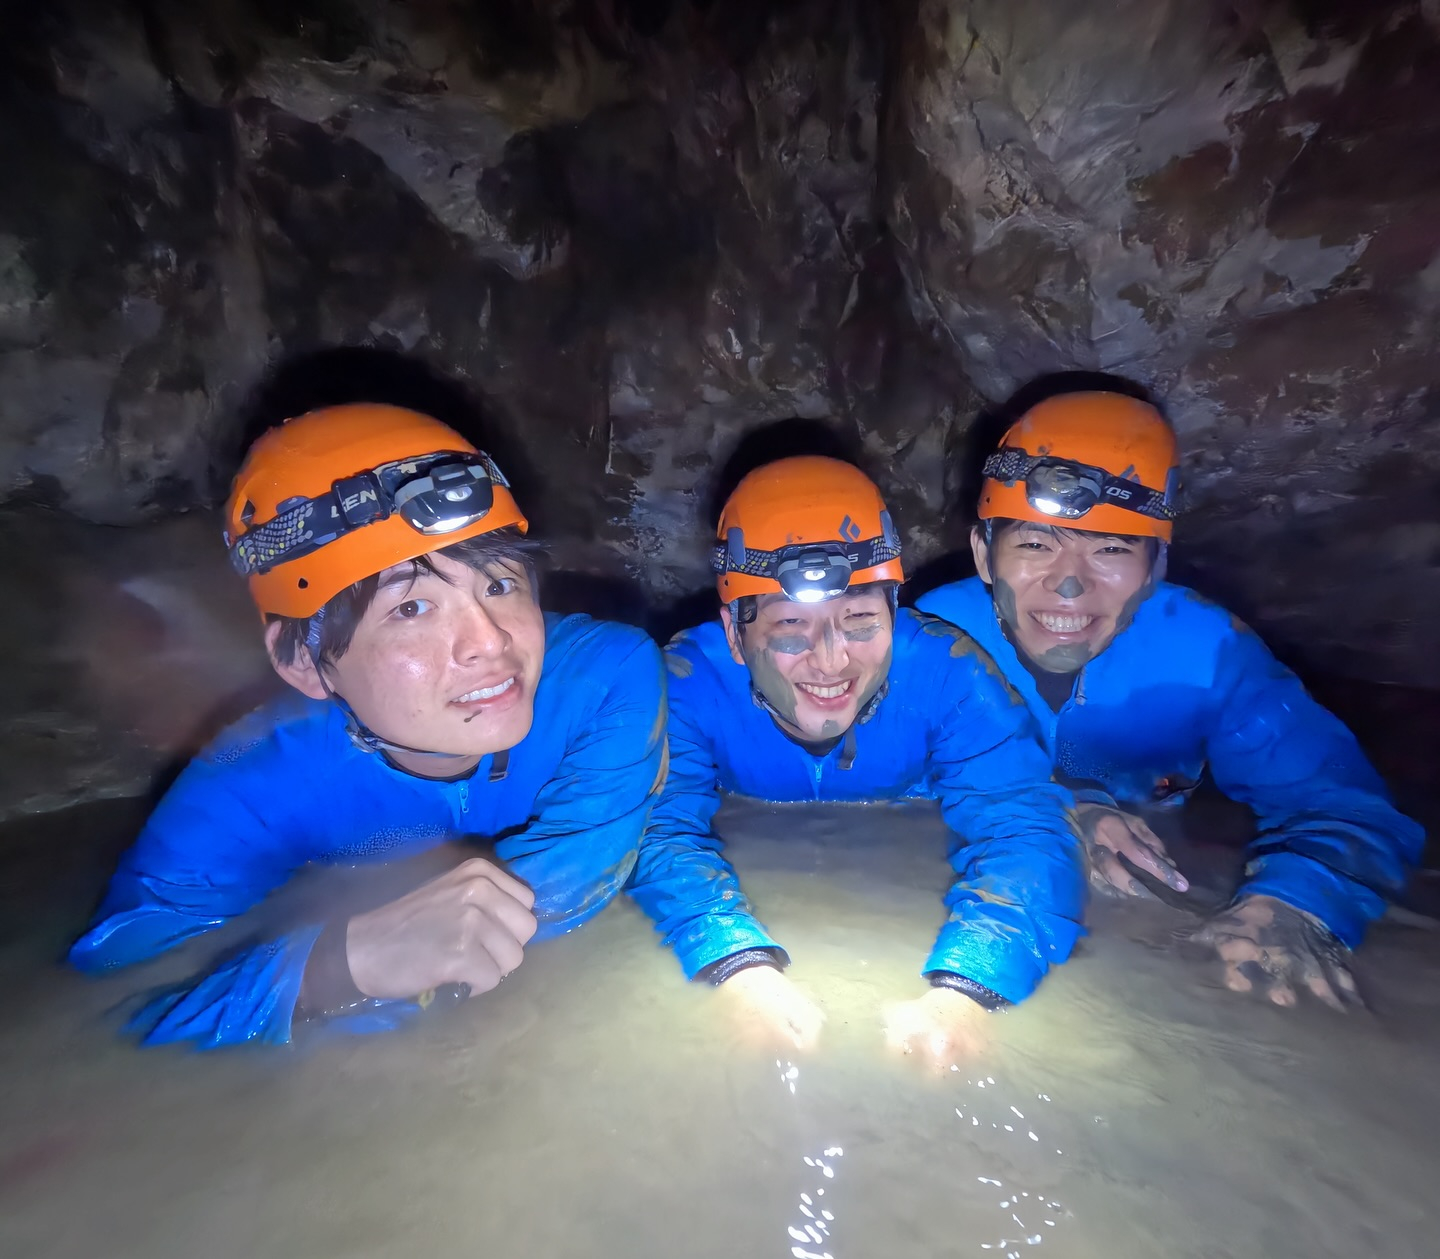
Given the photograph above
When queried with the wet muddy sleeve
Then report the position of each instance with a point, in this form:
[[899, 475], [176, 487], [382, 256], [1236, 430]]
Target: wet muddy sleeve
[[1330, 842], [213, 849], [682, 880], [1016, 905], [580, 847]]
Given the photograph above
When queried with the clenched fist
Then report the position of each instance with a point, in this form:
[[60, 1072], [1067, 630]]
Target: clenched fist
[[469, 926]]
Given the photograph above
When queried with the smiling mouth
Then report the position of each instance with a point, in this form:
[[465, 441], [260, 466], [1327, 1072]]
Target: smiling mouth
[[485, 692], [827, 692], [1058, 623]]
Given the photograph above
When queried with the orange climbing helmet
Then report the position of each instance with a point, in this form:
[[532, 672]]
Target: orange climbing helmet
[[1097, 462], [334, 496], [809, 527]]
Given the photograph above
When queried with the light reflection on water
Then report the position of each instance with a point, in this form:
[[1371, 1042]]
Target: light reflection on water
[[812, 1229], [1041, 1212]]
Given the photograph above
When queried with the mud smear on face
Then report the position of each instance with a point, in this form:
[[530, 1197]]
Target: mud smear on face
[[766, 676], [1066, 657]]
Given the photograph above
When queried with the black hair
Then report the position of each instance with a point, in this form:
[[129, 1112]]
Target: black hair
[[744, 609], [487, 553], [1001, 524]]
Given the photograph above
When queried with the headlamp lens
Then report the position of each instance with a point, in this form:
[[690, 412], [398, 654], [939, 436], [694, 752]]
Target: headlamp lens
[[1066, 490], [814, 576], [449, 497]]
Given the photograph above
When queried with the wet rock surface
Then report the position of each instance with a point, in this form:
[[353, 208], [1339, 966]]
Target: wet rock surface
[[121, 652], [1237, 206], [629, 234], [635, 233]]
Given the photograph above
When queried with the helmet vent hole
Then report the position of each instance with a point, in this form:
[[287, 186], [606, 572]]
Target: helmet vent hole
[[303, 584], [247, 513]]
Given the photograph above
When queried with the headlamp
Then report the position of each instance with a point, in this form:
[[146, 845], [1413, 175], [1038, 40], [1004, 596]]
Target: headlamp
[[437, 493], [808, 572], [813, 574], [450, 497], [1068, 490]]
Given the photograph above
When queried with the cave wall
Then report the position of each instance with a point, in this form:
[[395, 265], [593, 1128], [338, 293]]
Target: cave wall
[[638, 230], [1238, 206], [635, 236]]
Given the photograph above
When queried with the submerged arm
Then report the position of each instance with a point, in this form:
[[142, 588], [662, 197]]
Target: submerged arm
[[682, 880], [207, 855], [1330, 843], [1016, 904]]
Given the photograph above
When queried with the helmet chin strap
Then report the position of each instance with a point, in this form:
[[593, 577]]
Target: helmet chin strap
[[847, 752], [360, 734]]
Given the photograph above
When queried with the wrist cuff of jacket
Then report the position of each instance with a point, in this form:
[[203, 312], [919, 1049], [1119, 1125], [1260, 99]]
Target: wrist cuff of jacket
[[328, 986], [718, 972], [978, 993]]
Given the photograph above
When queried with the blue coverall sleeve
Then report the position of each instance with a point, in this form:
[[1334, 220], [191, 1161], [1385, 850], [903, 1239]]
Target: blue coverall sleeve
[[1017, 902], [579, 847], [1330, 842], [210, 852], [682, 880]]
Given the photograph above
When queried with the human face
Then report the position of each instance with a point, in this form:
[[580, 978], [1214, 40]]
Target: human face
[[445, 661], [1064, 594], [818, 664]]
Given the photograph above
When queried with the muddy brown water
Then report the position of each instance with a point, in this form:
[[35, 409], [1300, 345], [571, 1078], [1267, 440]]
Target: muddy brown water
[[598, 1106]]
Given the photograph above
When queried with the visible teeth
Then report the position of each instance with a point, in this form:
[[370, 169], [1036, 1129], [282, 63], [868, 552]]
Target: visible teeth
[[1063, 624], [487, 692], [825, 692]]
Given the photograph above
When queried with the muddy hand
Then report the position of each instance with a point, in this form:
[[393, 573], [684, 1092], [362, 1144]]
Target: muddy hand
[[1111, 834], [939, 1027], [1276, 949], [768, 1004]]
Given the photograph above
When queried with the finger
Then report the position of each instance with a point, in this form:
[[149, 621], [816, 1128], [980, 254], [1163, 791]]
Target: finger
[[488, 898], [490, 944], [1342, 983], [1345, 984], [1109, 832], [1235, 978], [1203, 934], [1109, 876], [937, 1045], [479, 868], [1157, 864], [1281, 993], [1320, 987], [1237, 950], [898, 1030], [1310, 974], [477, 970]]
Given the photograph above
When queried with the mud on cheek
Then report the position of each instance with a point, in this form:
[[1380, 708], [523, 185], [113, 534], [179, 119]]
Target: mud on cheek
[[766, 677]]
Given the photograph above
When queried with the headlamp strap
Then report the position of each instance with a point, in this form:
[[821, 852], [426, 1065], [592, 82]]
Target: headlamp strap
[[306, 524], [1011, 464], [727, 557]]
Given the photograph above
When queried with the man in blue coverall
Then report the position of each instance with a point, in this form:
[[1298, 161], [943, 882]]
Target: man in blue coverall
[[812, 686], [433, 700], [1140, 685]]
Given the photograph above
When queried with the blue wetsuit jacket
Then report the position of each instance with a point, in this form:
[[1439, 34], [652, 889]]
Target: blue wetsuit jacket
[[1187, 685], [286, 787], [947, 725]]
